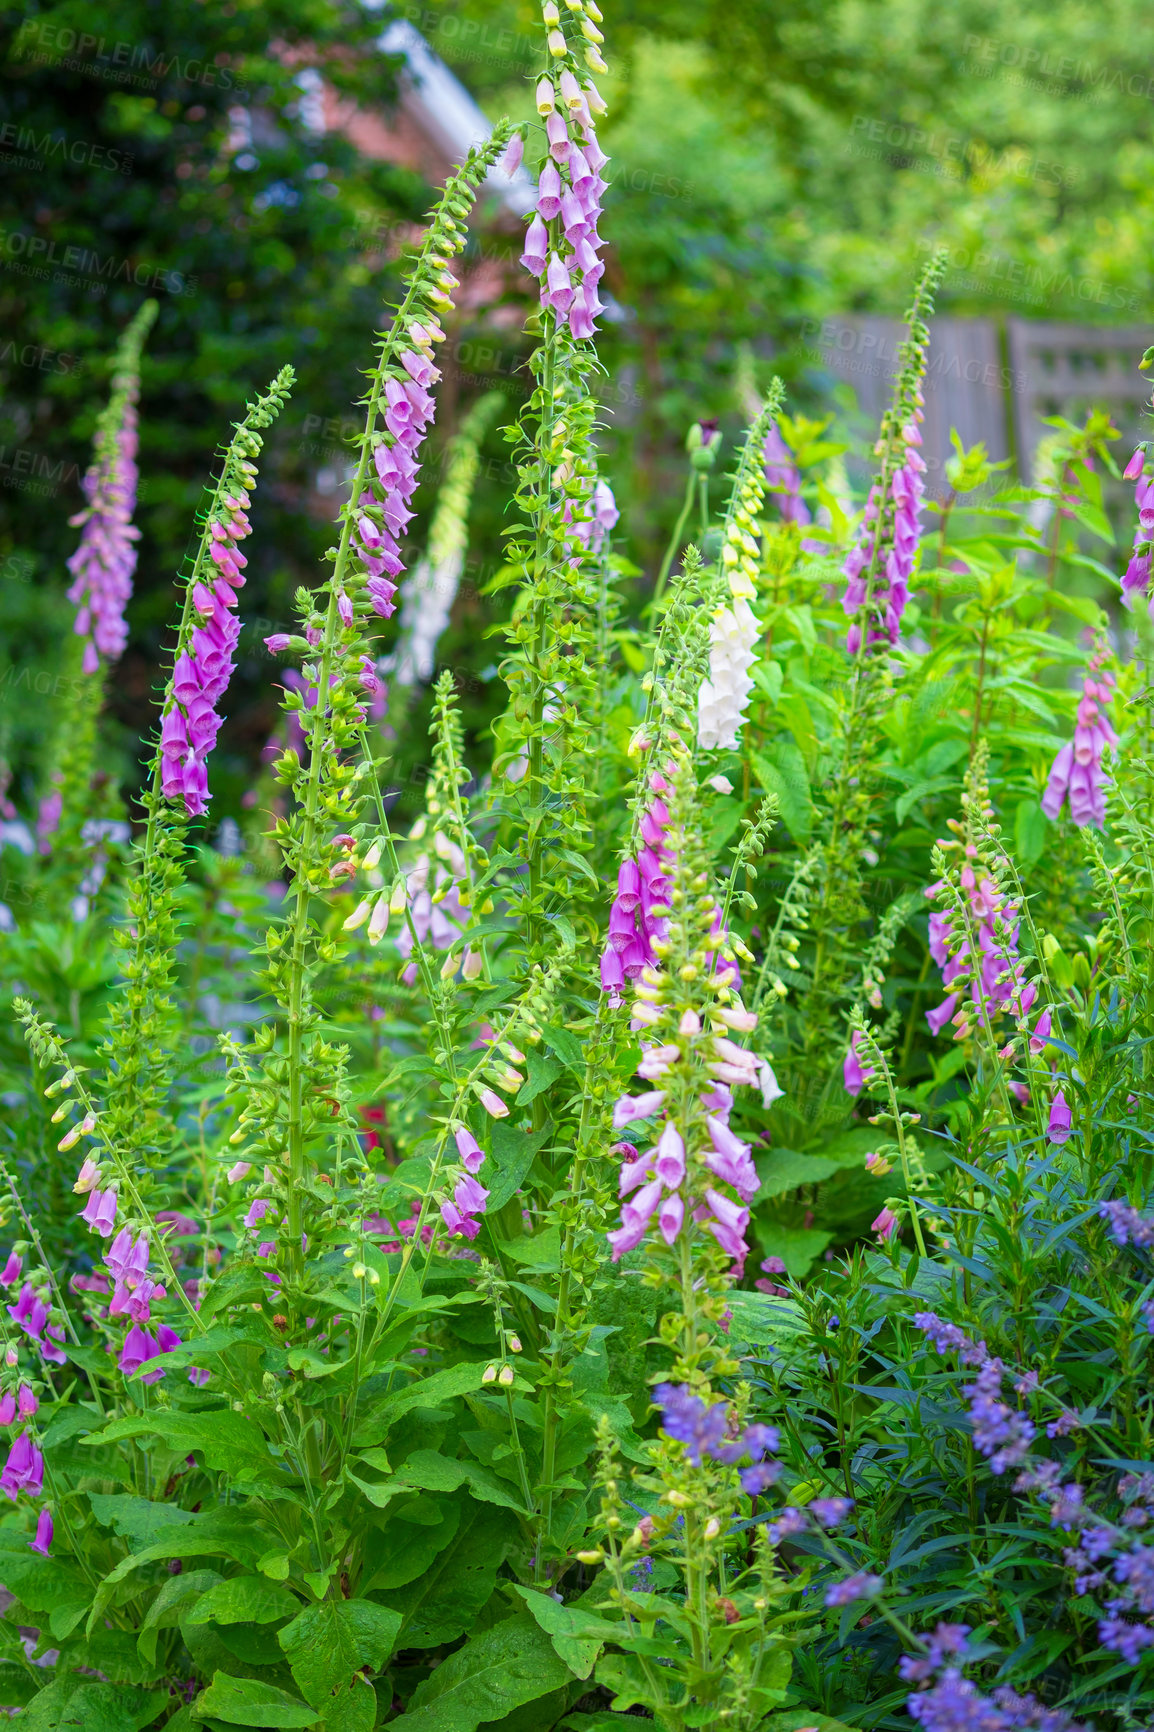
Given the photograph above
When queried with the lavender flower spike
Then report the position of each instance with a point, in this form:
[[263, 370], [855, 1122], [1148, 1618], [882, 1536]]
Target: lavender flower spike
[[103, 564], [209, 626]]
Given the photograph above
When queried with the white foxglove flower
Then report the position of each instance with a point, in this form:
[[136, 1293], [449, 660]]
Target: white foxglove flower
[[724, 695]]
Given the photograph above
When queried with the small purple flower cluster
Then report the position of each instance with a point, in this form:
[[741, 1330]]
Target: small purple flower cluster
[[203, 668], [1077, 773], [469, 1195], [947, 1702], [1000, 1433], [705, 1431], [1128, 1627], [562, 242], [891, 529], [1127, 1225], [105, 560], [32, 1311], [1136, 581]]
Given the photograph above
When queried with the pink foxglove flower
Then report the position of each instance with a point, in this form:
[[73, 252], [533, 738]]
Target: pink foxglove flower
[[885, 1225], [43, 1541], [855, 1075], [1077, 773], [100, 1211], [23, 1470], [1060, 1122], [103, 564]]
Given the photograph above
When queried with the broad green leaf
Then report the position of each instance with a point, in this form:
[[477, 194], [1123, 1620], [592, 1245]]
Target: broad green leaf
[[543, 1070], [566, 1045], [135, 1518], [407, 1550], [507, 1665], [783, 1170], [1030, 830], [228, 1442], [798, 1719], [244, 1600], [783, 774], [75, 1704], [443, 1603], [327, 1644], [762, 1319], [536, 1251], [513, 1152], [428, 1471], [577, 1636], [422, 1392], [168, 1608], [798, 1247], [251, 1702]]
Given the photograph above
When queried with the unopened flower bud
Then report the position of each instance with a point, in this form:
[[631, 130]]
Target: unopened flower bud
[[489, 1375], [505, 1375]]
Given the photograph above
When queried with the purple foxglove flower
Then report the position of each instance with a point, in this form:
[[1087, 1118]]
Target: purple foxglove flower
[[103, 564], [670, 1163], [549, 192], [612, 971], [127, 1258], [470, 1196], [11, 1271], [536, 248], [258, 1209], [671, 1216], [139, 1347], [418, 367], [26, 1402], [43, 1541], [884, 1225], [1058, 1128], [558, 288], [100, 1212], [459, 1225], [24, 1469], [493, 1104], [854, 1074], [728, 1225], [198, 1377], [514, 153], [584, 308], [7, 1407], [941, 1014], [729, 1160], [634, 1173], [24, 1306], [631, 1107], [469, 1149]]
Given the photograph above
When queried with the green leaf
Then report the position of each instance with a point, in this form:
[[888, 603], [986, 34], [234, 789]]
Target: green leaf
[[251, 1702], [577, 1636], [167, 1609], [507, 1665], [444, 1601], [327, 1644], [428, 1471], [422, 1392], [566, 1045], [227, 1441], [1030, 830], [543, 1071], [784, 775], [514, 1152], [537, 1250], [797, 1719], [74, 1704], [135, 1518], [798, 1247], [244, 1600], [760, 1319], [783, 1170]]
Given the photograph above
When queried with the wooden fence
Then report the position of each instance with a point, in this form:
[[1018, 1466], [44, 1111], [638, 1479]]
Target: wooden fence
[[993, 382]]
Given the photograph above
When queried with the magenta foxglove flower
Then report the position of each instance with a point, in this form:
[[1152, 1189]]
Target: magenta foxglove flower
[[1077, 773], [1041, 1033], [11, 1271], [885, 1225], [1060, 1122], [43, 1541], [127, 1258], [7, 1407], [728, 1224], [100, 1211], [26, 1402], [855, 1075], [631, 1107], [1136, 581], [105, 560], [469, 1149], [24, 1469]]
